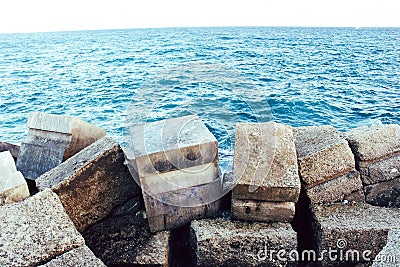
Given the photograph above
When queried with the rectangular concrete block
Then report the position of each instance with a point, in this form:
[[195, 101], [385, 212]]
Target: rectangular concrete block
[[381, 171], [384, 194], [174, 209], [172, 144], [335, 190], [81, 256], [91, 183], [262, 211], [323, 154], [352, 229], [51, 140], [233, 243], [125, 240], [265, 163], [36, 230], [13, 187], [179, 179], [373, 143]]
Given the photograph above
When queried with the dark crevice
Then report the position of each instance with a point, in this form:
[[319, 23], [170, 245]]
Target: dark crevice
[[181, 252]]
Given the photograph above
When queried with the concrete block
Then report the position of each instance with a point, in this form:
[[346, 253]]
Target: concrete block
[[381, 171], [126, 240], [262, 211], [81, 256], [390, 254], [36, 230], [360, 228], [322, 154], [265, 163], [180, 179], [170, 145], [91, 183], [13, 187], [174, 209], [233, 243], [14, 149], [51, 140], [373, 143], [335, 190], [384, 194]]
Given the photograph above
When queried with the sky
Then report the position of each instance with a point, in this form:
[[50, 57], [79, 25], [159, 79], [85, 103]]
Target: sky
[[65, 15]]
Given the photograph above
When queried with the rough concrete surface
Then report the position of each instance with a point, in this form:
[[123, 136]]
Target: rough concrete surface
[[233, 243], [35, 231], [335, 190], [92, 182], [125, 239], [14, 149], [384, 194], [358, 227], [81, 256], [265, 163], [390, 254], [381, 171], [262, 211], [322, 154], [372, 143]]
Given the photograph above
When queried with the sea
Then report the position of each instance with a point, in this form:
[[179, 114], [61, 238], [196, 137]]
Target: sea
[[345, 77]]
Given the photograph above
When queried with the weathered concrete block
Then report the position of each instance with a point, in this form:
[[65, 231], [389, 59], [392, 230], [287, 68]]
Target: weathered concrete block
[[81, 256], [322, 154], [384, 194], [172, 144], [384, 170], [14, 149], [262, 211], [224, 243], [180, 179], [91, 183], [124, 239], [373, 143], [36, 230], [336, 189], [357, 232], [390, 254], [265, 163], [163, 213], [51, 140], [13, 187]]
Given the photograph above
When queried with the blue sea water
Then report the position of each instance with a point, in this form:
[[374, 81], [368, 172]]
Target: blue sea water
[[345, 77]]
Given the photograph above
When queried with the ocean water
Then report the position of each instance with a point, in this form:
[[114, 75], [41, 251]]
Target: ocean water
[[345, 77]]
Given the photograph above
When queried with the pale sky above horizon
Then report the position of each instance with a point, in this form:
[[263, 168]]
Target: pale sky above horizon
[[62, 15]]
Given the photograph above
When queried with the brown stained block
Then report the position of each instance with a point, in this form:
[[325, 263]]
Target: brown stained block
[[336, 189], [81, 256], [374, 143], [322, 154], [91, 183], [234, 243], [384, 194], [174, 209], [352, 228], [262, 211], [51, 140], [265, 163], [381, 171], [82, 134], [174, 180], [170, 145], [36, 230]]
